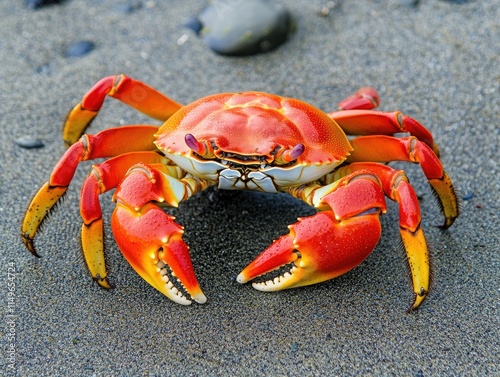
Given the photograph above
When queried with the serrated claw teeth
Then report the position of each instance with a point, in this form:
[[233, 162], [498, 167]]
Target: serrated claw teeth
[[176, 294], [279, 282]]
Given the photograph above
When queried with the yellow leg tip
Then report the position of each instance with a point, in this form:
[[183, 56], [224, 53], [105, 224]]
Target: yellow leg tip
[[419, 298], [102, 281]]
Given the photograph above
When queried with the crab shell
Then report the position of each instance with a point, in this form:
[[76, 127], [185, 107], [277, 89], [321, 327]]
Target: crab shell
[[250, 128]]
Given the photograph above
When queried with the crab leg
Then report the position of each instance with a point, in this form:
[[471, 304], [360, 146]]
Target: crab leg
[[365, 98], [366, 122], [386, 148], [149, 238], [132, 92], [397, 187], [330, 243], [111, 142], [104, 177]]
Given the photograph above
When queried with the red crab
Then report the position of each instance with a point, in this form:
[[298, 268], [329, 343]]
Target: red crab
[[249, 141]]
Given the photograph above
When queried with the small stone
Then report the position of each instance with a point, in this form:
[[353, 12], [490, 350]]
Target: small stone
[[35, 4], [182, 39], [79, 49], [468, 196], [244, 27], [456, 1], [44, 69], [127, 8], [325, 10], [29, 142], [409, 3]]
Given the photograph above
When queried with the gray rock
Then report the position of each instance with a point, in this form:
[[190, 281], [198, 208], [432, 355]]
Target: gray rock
[[243, 27], [79, 49], [29, 142]]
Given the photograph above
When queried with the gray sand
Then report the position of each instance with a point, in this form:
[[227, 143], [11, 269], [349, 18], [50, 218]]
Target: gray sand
[[437, 62]]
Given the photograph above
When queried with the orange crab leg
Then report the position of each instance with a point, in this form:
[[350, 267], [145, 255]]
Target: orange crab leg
[[149, 238], [132, 92], [396, 186], [328, 244], [110, 142], [366, 122], [365, 98], [385, 149], [104, 177]]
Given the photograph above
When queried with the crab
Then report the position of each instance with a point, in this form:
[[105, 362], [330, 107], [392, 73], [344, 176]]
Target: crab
[[335, 161]]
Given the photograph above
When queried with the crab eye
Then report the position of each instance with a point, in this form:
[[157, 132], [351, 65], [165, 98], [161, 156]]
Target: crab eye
[[194, 144], [199, 147], [294, 153]]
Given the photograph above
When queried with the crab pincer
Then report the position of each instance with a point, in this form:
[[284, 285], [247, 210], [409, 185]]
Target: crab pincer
[[151, 242]]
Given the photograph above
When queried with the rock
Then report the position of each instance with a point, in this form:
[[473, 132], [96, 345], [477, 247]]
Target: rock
[[29, 142], [127, 8], [44, 69], [409, 3], [35, 4], [242, 27], [79, 49], [456, 1], [468, 196]]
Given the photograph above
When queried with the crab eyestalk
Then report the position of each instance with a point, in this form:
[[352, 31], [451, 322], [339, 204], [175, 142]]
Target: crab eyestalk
[[288, 155], [200, 148]]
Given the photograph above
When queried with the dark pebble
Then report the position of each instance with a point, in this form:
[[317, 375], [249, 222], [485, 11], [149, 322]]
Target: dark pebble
[[420, 373], [79, 49], [29, 142], [194, 24], [409, 3], [35, 4], [244, 27], [468, 196], [127, 8], [44, 69]]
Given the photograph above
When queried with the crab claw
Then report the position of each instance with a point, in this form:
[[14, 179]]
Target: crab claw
[[318, 248], [152, 243]]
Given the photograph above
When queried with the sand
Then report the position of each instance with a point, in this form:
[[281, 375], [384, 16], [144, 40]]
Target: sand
[[437, 62]]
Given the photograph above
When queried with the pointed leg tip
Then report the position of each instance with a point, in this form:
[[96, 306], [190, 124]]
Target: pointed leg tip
[[30, 245], [418, 301], [448, 222], [103, 282]]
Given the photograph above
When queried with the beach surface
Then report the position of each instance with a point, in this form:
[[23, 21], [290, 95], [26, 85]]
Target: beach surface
[[437, 62]]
